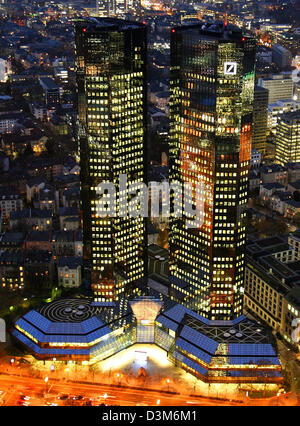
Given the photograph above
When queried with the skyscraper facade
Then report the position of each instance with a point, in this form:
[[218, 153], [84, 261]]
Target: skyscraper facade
[[260, 119], [111, 79], [287, 143], [113, 8], [211, 108], [106, 8]]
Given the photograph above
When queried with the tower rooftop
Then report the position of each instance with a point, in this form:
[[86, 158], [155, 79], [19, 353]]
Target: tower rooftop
[[92, 24], [215, 29]]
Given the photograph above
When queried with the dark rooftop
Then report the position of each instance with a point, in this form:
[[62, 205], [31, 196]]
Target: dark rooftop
[[93, 24], [71, 262], [215, 29]]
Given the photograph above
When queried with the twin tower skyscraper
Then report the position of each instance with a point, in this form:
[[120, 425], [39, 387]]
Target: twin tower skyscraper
[[211, 102]]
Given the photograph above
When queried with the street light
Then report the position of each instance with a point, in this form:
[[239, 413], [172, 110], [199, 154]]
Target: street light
[[158, 402]]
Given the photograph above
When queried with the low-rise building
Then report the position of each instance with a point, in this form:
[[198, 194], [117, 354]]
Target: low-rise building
[[51, 91], [39, 270], [254, 179], [12, 270], [33, 186], [69, 271], [266, 191], [12, 240], [66, 243], [67, 217], [48, 198], [294, 186], [274, 173], [31, 219], [38, 240], [255, 158], [292, 208], [10, 201], [293, 171], [9, 121], [71, 197]]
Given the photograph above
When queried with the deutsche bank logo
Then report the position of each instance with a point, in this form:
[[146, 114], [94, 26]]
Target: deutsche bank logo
[[230, 68], [2, 331]]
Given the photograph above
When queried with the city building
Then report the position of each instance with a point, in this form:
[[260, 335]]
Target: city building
[[66, 214], [66, 243], [260, 119], [10, 201], [69, 272], [39, 270], [9, 121], [31, 219], [106, 8], [38, 241], [277, 109], [280, 86], [272, 282], [281, 56], [293, 171], [51, 90], [10, 239], [254, 179], [223, 353], [255, 159], [12, 269], [274, 173], [111, 63], [287, 144], [211, 110], [62, 74], [211, 115]]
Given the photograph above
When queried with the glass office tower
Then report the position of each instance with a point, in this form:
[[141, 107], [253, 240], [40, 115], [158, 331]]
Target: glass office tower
[[260, 119], [111, 80], [211, 106], [287, 143]]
